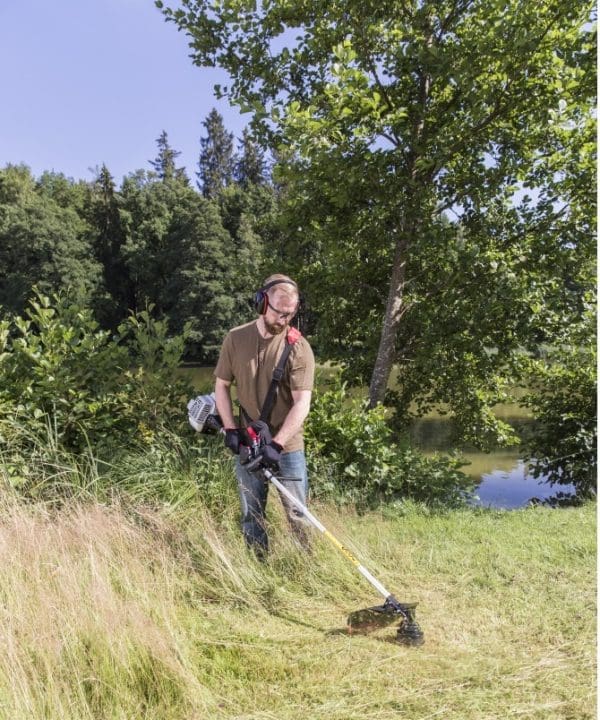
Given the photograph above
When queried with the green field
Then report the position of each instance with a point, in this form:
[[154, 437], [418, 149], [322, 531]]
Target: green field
[[113, 610]]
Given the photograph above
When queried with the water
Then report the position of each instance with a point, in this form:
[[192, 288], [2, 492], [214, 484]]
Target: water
[[516, 488], [503, 479]]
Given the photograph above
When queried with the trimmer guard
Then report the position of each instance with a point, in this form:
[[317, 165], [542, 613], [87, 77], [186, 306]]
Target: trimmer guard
[[378, 616]]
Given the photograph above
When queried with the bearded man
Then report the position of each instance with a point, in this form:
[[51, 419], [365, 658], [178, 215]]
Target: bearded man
[[249, 356]]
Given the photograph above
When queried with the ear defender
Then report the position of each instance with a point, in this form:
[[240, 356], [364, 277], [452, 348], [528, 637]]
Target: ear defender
[[261, 299]]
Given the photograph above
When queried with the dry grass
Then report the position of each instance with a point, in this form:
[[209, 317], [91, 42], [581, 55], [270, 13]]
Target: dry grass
[[124, 612]]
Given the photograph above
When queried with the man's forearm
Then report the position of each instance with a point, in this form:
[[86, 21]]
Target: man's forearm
[[293, 421], [224, 405]]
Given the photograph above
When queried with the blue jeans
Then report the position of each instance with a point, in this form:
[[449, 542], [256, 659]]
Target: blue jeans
[[253, 501]]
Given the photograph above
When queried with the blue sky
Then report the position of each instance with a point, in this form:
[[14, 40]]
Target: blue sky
[[86, 82]]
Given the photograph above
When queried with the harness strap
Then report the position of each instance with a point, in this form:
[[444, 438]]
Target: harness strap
[[275, 380], [293, 335]]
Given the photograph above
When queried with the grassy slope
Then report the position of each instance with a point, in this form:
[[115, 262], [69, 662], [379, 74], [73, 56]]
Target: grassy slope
[[125, 613]]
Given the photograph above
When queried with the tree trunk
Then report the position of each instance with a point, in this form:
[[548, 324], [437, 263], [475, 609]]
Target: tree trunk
[[394, 311], [395, 307]]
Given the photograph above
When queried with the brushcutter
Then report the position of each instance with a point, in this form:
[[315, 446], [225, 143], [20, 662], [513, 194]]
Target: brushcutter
[[203, 417]]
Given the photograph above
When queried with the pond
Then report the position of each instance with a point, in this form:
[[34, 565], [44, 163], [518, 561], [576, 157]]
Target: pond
[[517, 488], [503, 480]]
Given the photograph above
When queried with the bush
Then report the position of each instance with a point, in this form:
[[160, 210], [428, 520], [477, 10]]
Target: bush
[[81, 410], [66, 383], [352, 456]]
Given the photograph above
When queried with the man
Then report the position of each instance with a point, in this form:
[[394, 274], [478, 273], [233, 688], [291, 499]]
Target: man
[[248, 357]]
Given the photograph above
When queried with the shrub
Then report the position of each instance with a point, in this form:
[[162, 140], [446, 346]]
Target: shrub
[[66, 382], [563, 443], [352, 456]]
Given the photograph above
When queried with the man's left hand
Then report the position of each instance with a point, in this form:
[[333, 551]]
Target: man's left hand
[[271, 454], [270, 449]]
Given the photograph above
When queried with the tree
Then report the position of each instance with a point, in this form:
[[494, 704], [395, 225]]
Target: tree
[[164, 163], [216, 162], [108, 239], [407, 129], [64, 191], [248, 215], [250, 168], [44, 240], [181, 260], [562, 395]]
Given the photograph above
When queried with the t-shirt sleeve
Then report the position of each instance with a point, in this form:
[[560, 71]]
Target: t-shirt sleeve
[[302, 371], [224, 368]]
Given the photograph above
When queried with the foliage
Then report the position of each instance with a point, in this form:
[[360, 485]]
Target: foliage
[[250, 167], [352, 456], [564, 443], [67, 383], [249, 214], [155, 240], [107, 232], [43, 237], [438, 159], [181, 259], [164, 163]]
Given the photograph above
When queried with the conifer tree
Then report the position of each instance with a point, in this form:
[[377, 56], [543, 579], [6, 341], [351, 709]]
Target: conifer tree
[[164, 163], [216, 164], [178, 254], [250, 168], [108, 239]]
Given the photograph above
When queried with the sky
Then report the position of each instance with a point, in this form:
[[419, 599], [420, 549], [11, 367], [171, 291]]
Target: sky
[[87, 82]]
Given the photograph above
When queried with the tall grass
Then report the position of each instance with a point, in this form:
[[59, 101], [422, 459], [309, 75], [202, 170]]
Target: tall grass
[[127, 608]]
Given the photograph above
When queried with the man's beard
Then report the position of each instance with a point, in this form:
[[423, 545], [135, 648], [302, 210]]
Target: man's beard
[[274, 329]]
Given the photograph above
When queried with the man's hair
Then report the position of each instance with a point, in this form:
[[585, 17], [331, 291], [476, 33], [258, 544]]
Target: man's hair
[[284, 284]]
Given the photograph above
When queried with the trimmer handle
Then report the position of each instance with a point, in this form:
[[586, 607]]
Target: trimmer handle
[[250, 455]]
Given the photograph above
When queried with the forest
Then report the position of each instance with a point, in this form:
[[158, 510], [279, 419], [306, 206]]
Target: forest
[[192, 251]]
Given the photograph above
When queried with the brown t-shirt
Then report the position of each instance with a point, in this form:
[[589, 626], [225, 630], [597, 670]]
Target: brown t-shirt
[[248, 360]]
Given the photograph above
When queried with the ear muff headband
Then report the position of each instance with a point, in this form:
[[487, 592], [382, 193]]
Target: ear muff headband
[[261, 299]]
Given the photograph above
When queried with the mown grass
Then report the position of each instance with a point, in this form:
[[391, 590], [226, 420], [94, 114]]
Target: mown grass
[[125, 609]]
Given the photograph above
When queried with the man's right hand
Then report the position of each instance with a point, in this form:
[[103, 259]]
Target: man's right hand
[[232, 440]]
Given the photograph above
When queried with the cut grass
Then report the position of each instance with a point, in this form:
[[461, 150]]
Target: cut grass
[[121, 611]]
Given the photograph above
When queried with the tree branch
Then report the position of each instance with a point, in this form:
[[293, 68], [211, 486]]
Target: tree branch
[[457, 9], [498, 108]]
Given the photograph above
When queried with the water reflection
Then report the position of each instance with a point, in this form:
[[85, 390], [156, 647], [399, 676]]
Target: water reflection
[[516, 488], [502, 478]]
